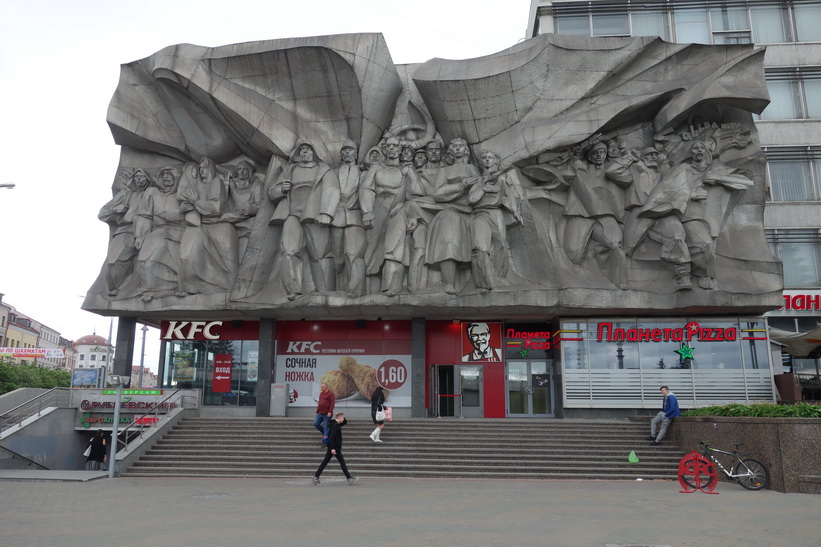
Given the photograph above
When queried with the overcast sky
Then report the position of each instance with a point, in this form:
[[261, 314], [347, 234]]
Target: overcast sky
[[59, 66]]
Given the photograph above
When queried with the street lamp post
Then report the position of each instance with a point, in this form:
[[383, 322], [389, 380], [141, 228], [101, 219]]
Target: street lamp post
[[142, 359], [112, 459]]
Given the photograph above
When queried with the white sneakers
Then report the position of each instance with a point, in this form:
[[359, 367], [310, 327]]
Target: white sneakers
[[375, 435]]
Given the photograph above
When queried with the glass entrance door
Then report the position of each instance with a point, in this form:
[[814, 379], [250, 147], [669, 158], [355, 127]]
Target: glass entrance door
[[470, 387], [456, 391], [530, 388]]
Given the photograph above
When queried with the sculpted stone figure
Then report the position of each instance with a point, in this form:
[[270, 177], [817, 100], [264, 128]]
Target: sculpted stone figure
[[382, 196], [642, 173], [158, 228], [244, 194], [488, 234], [347, 228], [448, 243], [687, 219], [307, 195], [120, 213], [594, 209], [208, 248]]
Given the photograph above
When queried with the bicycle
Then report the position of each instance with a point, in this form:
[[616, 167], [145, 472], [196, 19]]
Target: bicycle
[[748, 472]]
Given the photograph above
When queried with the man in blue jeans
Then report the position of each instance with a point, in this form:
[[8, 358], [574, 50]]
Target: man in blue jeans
[[669, 411], [324, 411]]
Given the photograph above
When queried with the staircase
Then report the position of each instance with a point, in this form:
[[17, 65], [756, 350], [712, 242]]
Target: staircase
[[412, 448]]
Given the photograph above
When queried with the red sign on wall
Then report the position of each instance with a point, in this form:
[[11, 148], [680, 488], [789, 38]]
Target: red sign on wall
[[222, 373]]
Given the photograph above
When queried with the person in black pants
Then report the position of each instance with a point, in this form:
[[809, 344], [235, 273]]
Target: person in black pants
[[335, 449]]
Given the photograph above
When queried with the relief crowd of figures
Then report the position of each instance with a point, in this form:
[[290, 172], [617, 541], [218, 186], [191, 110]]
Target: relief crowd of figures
[[422, 218]]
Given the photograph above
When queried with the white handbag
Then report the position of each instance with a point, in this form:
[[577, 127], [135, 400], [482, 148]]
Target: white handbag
[[381, 414], [87, 453]]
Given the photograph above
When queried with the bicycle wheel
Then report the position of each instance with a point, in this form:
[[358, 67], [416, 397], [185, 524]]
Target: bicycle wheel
[[705, 479], [753, 474]]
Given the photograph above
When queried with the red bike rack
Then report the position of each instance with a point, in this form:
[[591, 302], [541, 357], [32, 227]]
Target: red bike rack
[[697, 466]]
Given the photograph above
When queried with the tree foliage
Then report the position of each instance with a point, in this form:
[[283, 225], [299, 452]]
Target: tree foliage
[[14, 376]]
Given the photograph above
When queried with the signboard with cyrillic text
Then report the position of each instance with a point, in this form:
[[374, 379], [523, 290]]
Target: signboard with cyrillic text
[[222, 373]]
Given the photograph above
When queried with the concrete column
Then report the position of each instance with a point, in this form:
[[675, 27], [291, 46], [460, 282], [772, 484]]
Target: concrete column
[[418, 367], [124, 348], [267, 365]]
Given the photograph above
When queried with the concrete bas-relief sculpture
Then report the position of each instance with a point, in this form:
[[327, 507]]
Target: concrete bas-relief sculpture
[[312, 176]]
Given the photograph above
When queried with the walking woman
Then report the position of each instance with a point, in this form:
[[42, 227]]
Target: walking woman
[[378, 406], [97, 456]]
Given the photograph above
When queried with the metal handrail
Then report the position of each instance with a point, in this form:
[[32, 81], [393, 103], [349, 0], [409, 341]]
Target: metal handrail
[[18, 455], [59, 397], [156, 423]]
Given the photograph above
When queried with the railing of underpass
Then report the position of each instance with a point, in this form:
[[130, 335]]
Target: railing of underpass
[[59, 397], [143, 427]]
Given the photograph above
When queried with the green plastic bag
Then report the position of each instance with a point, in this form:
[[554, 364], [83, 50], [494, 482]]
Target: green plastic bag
[[632, 458]]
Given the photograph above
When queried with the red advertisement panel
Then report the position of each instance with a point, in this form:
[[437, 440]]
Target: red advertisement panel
[[222, 373]]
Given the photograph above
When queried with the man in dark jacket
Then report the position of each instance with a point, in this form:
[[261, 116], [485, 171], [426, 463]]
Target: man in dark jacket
[[669, 411], [335, 449]]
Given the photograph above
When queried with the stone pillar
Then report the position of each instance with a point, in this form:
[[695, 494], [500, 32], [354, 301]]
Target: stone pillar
[[418, 368], [124, 348], [267, 365]]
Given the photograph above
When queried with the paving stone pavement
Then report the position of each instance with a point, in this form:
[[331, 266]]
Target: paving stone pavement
[[393, 512]]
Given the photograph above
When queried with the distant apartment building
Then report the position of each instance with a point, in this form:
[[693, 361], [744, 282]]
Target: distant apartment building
[[789, 128]]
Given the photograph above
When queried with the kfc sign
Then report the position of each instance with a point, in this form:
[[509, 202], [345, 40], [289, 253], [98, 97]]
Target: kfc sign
[[188, 330]]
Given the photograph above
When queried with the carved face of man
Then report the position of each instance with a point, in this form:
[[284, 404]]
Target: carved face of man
[[597, 154], [391, 149], [140, 180], [650, 159], [434, 152], [406, 154], [613, 149], [348, 155], [458, 148], [698, 151], [479, 335], [305, 154], [488, 161], [420, 158], [243, 172], [167, 180]]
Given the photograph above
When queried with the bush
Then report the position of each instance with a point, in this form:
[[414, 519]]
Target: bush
[[764, 410]]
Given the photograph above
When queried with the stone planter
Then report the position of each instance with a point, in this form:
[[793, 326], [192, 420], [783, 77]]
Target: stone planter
[[790, 447]]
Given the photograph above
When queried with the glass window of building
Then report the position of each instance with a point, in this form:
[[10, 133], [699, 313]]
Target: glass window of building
[[692, 26], [794, 174], [807, 17], [731, 25], [609, 23], [800, 251]]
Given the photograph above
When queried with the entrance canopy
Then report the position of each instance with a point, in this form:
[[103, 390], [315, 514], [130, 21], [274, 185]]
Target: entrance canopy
[[799, 344]]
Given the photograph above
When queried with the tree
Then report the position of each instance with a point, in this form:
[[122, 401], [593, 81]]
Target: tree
[[14, 376]]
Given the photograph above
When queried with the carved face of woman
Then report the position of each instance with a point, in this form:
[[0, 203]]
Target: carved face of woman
[[204, 170], [374, 156]]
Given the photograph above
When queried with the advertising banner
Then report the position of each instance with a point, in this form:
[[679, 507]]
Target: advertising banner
[[86, 378], [222, 373], [352, 369], [33, 353]]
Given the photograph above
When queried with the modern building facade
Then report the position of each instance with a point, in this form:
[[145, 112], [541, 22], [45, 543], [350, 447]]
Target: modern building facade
[[789, 128]]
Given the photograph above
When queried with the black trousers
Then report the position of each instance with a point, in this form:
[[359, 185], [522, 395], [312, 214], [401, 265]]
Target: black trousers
[[327, 459]]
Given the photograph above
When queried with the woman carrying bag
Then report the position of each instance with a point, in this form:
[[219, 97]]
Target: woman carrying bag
[[96, 457], [378, 412]]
